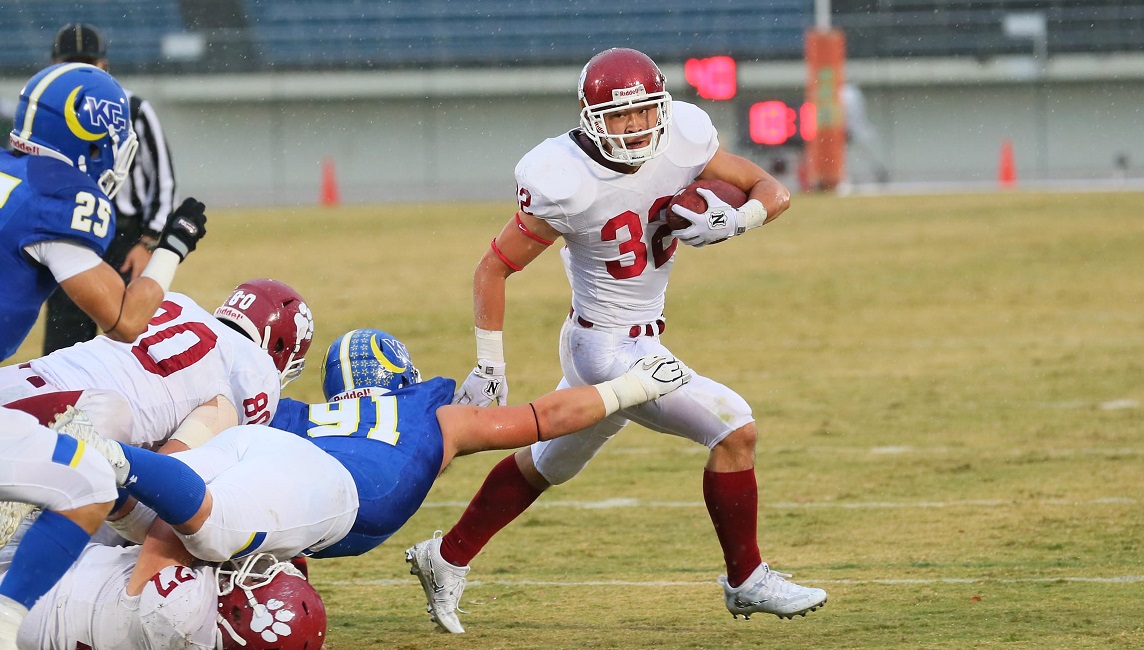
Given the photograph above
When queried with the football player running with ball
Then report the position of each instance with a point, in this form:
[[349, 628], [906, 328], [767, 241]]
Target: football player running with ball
[[603, 188]]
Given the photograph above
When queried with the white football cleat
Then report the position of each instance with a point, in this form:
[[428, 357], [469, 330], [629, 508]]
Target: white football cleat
[[76, 424], [442, 582], [770, 592]]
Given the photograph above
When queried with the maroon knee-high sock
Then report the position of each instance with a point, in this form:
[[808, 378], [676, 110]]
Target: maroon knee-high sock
[[503, 496], [732, 500]]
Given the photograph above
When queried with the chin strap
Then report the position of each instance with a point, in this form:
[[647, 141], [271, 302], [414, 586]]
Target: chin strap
[[224, 624], [238, 578]]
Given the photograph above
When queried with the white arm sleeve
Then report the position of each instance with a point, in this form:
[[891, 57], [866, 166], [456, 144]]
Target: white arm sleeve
[[64, 258], [205, 422]]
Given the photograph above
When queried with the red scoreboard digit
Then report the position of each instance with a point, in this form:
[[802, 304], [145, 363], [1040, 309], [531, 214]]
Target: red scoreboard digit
[[777, 122], [774, 122], [713, 78]]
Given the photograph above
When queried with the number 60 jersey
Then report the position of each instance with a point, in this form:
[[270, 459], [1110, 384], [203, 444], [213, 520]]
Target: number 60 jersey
[[185, 358]]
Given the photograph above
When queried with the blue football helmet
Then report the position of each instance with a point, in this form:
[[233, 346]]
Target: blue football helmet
[[366, 361], [77, 113]]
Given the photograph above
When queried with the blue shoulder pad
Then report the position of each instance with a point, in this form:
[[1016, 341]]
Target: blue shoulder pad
[[65, 203]]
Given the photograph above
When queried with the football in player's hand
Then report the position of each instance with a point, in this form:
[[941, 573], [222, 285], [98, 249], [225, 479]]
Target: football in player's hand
[[689, 198]]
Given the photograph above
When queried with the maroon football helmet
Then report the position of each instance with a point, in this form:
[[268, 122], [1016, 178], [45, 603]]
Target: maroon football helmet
[[264, 604], [622, 79], [274, 316]]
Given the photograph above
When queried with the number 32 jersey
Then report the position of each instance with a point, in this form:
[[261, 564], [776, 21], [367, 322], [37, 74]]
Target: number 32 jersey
[[42, 199], [185, 358], [619, 250]]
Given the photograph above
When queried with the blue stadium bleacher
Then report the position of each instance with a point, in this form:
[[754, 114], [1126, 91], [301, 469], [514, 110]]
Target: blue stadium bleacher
[[134, 30], [414, 34]]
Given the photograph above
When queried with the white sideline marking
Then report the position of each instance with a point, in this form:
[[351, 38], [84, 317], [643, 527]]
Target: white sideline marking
[[389, 582], [612, 504], [894, 450]]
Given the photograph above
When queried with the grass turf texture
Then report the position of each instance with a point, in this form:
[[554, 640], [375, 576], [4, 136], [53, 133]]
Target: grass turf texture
[[949, 390]]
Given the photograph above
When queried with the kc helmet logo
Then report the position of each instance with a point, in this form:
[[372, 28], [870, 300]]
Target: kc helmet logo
[[106, 116]]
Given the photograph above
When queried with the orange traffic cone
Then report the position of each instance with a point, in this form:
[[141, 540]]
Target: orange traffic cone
[[1007, 170], [329, 190]]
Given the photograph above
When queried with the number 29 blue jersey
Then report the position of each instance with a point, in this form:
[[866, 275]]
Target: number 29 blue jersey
[[392, 446], [42, 199]]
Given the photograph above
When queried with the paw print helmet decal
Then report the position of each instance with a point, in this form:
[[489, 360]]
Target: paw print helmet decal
[[265, 604]]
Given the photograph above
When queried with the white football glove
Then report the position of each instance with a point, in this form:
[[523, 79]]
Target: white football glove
[[719, 222], [649, 378], [484, 385], [659, 374]]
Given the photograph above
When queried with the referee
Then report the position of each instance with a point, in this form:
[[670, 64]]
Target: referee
[[142, 204]]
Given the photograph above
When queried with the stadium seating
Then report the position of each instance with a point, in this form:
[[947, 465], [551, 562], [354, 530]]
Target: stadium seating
[[395, 34], [410, 33], [905, 28], [134, 30]]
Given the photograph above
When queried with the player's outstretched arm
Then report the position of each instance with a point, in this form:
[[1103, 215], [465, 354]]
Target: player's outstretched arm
[[522, 240], [467, 429]]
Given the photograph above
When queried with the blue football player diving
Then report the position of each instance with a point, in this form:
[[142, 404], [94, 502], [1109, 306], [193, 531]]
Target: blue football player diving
[[72, 147], [340, 477]]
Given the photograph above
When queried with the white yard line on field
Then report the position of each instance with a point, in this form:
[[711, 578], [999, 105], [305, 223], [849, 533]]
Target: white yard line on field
[[611, 504], [678, 583]]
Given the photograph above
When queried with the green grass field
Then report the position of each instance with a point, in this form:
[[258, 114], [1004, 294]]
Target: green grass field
[[949, 390]]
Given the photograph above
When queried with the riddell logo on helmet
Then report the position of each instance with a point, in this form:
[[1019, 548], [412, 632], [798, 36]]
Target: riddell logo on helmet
[[355, 393], [624, 94], [23, 145]]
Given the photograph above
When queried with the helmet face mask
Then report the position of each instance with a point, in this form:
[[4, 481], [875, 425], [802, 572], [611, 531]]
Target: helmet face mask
[[624, 82], [265, 604], [366, 362], [274, 316], [78, 114]]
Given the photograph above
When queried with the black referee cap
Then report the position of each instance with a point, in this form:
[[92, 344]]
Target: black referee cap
[[78, 42]]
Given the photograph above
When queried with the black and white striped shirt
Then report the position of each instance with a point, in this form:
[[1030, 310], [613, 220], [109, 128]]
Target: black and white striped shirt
[[149, 194]]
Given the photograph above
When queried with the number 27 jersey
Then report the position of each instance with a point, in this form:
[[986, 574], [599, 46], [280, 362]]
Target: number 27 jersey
[[618, 251]]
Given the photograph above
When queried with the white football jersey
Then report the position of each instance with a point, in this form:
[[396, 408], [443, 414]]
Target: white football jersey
[[184, 359], [89, 607], [618, 252]]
